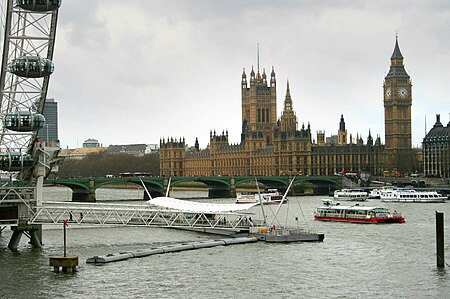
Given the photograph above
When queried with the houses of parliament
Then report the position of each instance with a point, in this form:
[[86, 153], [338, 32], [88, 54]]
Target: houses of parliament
[[271, 146]]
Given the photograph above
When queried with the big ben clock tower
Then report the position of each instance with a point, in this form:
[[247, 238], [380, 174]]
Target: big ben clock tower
[[397, 114]]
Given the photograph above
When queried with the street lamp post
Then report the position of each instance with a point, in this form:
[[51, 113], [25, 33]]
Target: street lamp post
[[47, 139]]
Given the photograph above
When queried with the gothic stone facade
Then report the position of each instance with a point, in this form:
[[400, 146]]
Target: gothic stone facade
[[271, 146]]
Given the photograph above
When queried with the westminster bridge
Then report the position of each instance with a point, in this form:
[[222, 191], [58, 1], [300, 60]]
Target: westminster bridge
[[83, 189]]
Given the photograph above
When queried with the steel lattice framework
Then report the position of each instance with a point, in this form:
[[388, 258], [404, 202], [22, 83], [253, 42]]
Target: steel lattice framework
[[141, 215], [24, 33]]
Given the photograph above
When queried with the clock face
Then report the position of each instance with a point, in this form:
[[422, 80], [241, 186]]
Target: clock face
[[388, 92], [402, 92]]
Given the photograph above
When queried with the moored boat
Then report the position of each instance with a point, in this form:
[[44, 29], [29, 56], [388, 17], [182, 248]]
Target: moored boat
[[271, 232], [411, 195], [331, 211], [376, 193], [271, 196], [285, 235], [351, 194]]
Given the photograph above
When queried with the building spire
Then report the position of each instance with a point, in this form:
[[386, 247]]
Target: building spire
[[342, 123], [397, 69], [288, 99], [396, 54]]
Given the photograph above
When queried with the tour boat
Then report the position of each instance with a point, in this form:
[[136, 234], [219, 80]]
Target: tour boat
[[271, 196], [411, 195], [357, 214], [351, 194], [376, 193]]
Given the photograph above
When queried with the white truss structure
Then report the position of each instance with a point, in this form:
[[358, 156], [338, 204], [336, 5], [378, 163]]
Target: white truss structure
[[104, 214], [24, 33]]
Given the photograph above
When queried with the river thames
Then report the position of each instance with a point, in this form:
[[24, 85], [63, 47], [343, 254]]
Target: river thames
[[354, 261]]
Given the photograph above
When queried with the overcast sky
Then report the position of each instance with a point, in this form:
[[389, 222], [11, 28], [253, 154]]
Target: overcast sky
[[135, 71]]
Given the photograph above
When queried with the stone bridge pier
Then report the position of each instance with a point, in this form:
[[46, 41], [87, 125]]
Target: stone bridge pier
[[83, 195]]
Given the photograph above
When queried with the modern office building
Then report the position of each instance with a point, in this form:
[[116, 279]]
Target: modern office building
[[49, 133]]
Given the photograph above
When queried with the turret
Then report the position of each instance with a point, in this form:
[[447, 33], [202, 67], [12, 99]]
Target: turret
[[244, 80], [273, 81], [369, 139], [342, 133], [252, 77]]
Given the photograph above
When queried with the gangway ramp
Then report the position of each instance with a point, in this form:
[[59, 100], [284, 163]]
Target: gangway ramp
[[107, 214]]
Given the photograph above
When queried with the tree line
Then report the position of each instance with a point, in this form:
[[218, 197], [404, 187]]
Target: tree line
[[101, 164]]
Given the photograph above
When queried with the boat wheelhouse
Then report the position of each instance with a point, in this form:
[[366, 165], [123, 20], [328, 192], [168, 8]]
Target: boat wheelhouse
[[411, 195], [351, 194], [331, 211]]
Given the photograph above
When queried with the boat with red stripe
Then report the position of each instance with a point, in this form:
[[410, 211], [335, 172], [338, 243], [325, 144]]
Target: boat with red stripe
[[331, 211]]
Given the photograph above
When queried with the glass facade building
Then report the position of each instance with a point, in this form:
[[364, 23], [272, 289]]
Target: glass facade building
[[49, 133]]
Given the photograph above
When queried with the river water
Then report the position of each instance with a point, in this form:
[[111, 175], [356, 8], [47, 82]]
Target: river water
[[354, 261]]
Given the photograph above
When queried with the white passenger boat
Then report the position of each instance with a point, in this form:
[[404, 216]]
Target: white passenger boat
[[351, 194], [271, 196], [410, 195], [376, 193]]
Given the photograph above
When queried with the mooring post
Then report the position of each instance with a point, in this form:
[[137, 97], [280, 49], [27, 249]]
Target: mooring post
[[65, 238], [67, 263], [440, 239]]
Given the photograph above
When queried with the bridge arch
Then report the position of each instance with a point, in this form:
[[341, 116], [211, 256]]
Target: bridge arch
[[80, 188], [279, 182], [219, 186], [320, 185]]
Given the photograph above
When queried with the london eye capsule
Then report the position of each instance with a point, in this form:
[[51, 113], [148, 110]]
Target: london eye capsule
[[31, 66], [39, 5], [15, 161], [24, 121]]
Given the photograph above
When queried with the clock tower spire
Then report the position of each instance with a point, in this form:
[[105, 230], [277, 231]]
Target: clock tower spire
[[397, 114]]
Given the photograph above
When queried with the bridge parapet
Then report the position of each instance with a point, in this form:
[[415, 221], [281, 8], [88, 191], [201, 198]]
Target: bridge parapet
[[218, 186]]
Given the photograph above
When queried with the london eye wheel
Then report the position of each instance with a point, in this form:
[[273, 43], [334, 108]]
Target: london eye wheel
[[27, 44]]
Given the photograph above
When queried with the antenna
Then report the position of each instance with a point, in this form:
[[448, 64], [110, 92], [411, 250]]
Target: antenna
[[257, 53]]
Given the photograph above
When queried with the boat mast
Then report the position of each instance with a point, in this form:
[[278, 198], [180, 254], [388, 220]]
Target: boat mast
[[261, 203], [281, 202]]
